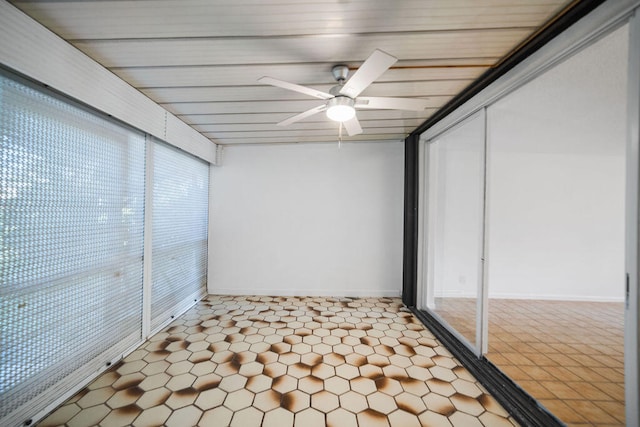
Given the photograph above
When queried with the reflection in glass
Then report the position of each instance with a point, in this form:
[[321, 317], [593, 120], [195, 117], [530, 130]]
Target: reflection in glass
[[455, 193]]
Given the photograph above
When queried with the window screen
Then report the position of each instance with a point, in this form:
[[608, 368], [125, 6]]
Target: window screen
[[180, 215], [71, 242]]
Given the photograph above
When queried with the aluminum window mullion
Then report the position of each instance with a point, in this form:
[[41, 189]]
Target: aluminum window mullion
[[148, 240], [482, 311]]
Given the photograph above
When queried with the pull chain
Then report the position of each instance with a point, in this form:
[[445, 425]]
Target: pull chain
[[340, 136]]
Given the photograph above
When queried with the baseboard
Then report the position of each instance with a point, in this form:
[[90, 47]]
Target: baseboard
[[538, 297], [389, 293], [557, 297]]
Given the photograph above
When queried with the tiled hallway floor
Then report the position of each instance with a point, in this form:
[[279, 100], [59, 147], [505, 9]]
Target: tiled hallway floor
[[285, 361], [569, 355]]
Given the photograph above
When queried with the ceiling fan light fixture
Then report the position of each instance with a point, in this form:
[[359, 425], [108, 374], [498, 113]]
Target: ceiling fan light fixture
[[340, 109]]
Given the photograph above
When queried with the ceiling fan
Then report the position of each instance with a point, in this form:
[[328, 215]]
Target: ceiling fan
[[343, 100]]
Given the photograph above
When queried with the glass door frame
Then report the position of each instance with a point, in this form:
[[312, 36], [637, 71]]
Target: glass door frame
[[425, 295], [632, 299]]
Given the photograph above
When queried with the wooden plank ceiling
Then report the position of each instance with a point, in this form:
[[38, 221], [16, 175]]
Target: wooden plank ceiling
[[201, 59]]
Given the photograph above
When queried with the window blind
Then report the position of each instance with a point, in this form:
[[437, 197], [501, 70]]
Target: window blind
[[180, 216], [71, 242]]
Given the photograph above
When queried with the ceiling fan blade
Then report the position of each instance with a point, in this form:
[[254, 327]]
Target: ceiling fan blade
[[294, 87], [353, 126], [303, 115], [375, 65], [384, 103]]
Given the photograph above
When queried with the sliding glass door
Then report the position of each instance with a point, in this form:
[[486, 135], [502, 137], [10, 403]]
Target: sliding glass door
[[524, 196]]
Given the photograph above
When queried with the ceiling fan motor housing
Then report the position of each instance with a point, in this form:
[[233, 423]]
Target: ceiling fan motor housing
[[340, 72]]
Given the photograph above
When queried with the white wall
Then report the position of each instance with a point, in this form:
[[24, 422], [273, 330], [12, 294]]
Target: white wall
[[556, 227], [557, 180], [308, 220]]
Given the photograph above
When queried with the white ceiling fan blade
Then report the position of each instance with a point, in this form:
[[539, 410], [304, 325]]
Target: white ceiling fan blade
[[303, 115], [353, 126], [294, 87], [375, 65], [384, 103]]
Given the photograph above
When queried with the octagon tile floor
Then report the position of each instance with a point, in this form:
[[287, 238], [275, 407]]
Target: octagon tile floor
[[287, 361]]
